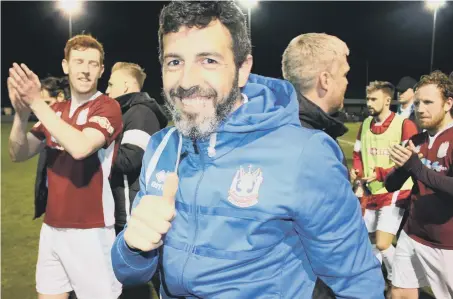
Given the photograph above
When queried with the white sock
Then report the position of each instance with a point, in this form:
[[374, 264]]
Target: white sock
[[387, 257], [377, 253]]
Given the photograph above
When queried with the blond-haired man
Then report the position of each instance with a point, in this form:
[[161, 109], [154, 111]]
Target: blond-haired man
[[316, 64], [142, 117]]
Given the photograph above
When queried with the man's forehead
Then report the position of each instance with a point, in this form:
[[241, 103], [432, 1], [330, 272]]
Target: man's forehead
[[375, 93], [212, 37], [85, 53], [429, 89]]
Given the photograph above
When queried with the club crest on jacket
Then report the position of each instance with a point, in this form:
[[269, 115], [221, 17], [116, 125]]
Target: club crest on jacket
[[245, 187]]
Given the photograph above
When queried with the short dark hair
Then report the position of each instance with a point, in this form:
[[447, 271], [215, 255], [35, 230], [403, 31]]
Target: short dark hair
[[55, 86], [386, 87], [199, 14]]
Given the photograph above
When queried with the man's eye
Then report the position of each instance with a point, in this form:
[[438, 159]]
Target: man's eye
[[209, 61], [174, 63]]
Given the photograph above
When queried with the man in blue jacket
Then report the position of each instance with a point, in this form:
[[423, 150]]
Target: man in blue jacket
[[238, 200]]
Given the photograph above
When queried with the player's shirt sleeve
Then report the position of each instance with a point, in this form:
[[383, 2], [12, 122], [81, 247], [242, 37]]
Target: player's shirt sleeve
[[106, 118], [409, 130], [38, 131], [434, 180]]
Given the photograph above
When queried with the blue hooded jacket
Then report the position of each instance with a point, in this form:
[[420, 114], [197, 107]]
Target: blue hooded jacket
[[264, 206]]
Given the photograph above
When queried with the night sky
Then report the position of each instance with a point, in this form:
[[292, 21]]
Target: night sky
[[394, 37]]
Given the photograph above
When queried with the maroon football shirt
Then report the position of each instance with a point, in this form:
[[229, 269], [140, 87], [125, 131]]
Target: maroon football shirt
[[79, 190], [431, 217]]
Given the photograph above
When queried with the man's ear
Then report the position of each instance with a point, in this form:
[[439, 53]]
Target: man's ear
[[448, 105], [244, 71], [126, 86], [102, 71], [324, 80], [65, 66]]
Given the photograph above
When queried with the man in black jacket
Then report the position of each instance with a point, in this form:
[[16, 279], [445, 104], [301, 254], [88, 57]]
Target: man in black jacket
[[142, 117], [316, 64]]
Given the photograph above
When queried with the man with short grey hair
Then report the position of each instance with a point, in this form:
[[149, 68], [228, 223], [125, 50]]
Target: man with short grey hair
[[316, 64]]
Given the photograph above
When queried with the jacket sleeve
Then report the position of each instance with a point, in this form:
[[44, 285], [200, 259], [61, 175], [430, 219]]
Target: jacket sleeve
[[329, 222], [396, 179], [134, 267], [141, 124], [429, 177]]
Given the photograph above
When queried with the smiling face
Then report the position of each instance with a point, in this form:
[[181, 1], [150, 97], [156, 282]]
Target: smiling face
[[201, 82], [84, 69]]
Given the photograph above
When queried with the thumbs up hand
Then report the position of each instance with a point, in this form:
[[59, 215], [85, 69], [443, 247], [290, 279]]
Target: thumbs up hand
[[152, 217]]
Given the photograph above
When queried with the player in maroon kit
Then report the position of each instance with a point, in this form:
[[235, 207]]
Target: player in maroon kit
[[424, 254], [81, 139]]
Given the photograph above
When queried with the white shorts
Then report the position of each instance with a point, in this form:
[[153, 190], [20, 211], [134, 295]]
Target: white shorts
[[386, 219], [416, 265], [76, 259]]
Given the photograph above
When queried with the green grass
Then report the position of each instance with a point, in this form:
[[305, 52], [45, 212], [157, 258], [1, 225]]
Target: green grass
[[20, 233]]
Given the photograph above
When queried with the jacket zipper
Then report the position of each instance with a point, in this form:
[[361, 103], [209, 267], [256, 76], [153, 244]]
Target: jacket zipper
[[191, 249]]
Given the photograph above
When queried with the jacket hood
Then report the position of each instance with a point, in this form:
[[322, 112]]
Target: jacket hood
[[270, 103], [142, 98]]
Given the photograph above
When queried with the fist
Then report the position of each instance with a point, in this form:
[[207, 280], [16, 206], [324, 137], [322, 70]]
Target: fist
[[151, 218]]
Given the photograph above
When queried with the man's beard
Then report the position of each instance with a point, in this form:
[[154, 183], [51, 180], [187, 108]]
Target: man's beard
[[187, 124], [373, 112], [434, 123]]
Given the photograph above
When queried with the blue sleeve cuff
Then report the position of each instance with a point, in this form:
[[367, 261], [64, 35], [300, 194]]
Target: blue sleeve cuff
[[135, 259]]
